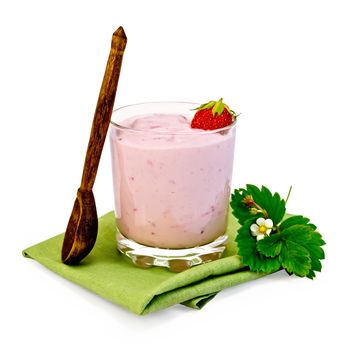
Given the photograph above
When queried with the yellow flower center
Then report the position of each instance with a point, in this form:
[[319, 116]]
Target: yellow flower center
[[262, 229]]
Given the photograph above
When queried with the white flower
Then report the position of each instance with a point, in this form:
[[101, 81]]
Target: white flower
[[262, 228]]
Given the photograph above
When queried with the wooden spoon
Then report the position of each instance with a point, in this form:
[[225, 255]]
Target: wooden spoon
[[82, 226]]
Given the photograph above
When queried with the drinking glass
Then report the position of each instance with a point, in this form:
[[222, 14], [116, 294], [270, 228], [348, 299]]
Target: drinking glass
[[171, 188]]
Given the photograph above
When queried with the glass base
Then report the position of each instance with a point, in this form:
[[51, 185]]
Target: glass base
[[175, 260]]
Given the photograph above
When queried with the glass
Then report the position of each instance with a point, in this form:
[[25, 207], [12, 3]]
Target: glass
[[172, 185]]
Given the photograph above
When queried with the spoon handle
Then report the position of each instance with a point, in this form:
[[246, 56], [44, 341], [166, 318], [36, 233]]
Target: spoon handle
[[104, 109]]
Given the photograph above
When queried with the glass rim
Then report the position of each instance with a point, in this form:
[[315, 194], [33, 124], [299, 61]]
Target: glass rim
[[199, 131]]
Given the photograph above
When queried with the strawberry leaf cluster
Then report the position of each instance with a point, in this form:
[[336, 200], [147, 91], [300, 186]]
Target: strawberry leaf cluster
[[294, 243]]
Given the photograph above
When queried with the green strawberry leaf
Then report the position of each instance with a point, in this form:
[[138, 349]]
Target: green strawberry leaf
[[316, 252], [270, 246], [295, 259], [306, 237], [296, 220]]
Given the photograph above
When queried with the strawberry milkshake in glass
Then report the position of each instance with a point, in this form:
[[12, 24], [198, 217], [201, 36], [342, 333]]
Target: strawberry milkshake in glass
[[171, 185]]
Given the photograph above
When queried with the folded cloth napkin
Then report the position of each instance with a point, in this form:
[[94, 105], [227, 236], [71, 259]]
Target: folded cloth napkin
[[112, 276]]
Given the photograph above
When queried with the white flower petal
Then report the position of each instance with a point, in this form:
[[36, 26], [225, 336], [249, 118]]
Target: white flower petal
[[268, 231], [268, 223], [260, 221], [259, 237], [254, 228]]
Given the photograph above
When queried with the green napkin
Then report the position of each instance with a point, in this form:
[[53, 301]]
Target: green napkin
[[112, 276]]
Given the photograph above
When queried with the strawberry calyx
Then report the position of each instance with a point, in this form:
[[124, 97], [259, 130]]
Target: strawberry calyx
[[217, 107]]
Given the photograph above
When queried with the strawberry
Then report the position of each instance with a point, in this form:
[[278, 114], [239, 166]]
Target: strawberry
[[213, 115]]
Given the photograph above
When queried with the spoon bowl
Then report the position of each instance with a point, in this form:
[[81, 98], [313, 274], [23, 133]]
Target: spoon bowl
[[81, 230]]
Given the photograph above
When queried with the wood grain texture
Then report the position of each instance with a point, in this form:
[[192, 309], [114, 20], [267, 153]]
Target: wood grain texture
[[104, 109]]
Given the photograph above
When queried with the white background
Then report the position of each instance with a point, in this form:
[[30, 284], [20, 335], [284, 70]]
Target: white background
[[283, 64]]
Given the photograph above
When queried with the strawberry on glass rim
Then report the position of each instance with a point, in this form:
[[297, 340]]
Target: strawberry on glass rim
[[213, 115]]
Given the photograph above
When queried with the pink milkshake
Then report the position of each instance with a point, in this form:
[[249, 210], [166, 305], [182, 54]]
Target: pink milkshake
[[171, 182]]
